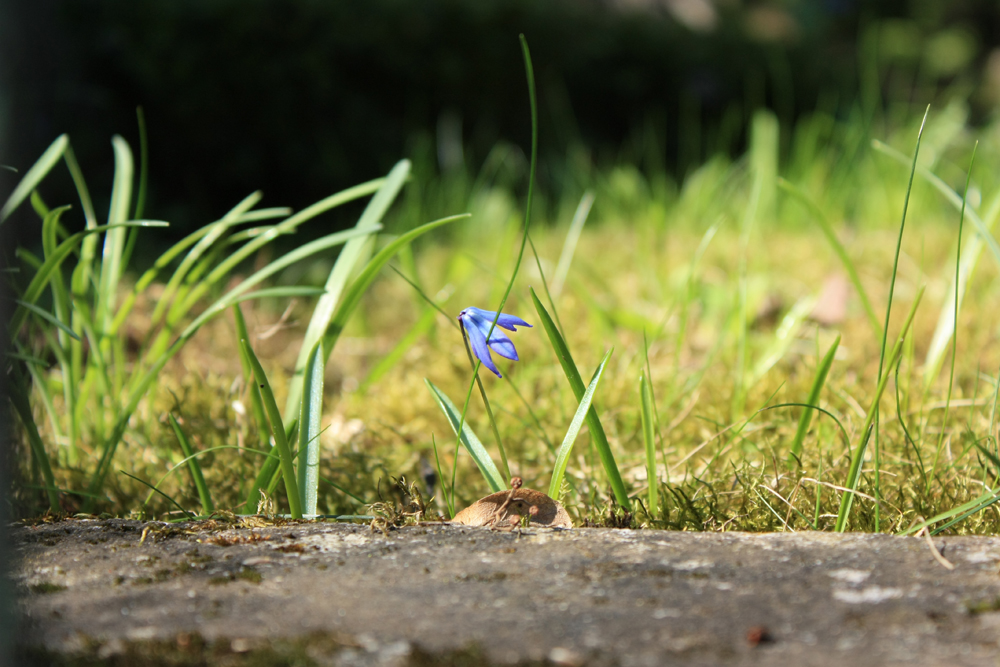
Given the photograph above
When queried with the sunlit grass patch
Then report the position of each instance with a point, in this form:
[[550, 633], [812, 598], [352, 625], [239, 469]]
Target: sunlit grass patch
[[731, 301]]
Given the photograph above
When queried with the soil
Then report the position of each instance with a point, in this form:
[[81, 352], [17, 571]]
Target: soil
[[121, 592]]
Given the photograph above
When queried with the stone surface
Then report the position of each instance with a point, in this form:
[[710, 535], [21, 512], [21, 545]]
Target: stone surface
[[440, 594]]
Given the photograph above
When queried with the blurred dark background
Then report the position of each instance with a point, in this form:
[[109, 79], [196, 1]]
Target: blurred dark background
[[303, 98]]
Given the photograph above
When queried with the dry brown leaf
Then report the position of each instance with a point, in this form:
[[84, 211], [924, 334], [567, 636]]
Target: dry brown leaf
[[484, 512]]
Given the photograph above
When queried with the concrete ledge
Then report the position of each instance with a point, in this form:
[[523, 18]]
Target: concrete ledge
[[437, 594]]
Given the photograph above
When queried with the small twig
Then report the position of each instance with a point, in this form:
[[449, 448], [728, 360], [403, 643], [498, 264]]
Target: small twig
[[938, 556], [515, 484]]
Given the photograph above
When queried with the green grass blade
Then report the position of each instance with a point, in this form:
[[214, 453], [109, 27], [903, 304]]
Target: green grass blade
[[394, 356], [153, 489], [953, 197], [566, 448], [954, 338], [207, 506], [593, 421], [352, 253], [34, 176], [140, 196], [256, 405], [208, 236], [533, 103], [784, 336], [48, 317], [19, 398], [286, 226], [468, 438], [822, 371], [963, 511], [309, 430], [857, 459], [269, 466], [352, 297], [52, 264], [945, 327], [277, 432], [114, 239], [286, 260], [572, 238], [281, 293], [838, 248], [652, 478]]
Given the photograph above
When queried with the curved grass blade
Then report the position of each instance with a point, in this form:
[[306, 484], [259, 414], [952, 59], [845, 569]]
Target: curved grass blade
[[280, 293], [954, 338], [48, 317], [529, 72], [53, 262], [352, 297], [945, 327], [785, 335], [207, 506], [566, 448], [277, 432], [18, 395], [114, 239], [309, 430], [953, 197], [35, 175], [795, 451], [297, 255], [854, 474], [837, 246], [646, 396], [288, 225], [593, 421], [341, 272], [572, 238], [156, 490], [468, 438]]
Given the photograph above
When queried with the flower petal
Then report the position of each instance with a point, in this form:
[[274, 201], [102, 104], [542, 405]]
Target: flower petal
[[506, 321], [502, 345], [477, 338]]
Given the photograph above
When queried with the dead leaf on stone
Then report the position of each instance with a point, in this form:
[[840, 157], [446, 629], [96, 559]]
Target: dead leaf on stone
[[831, 306], [484, 512]]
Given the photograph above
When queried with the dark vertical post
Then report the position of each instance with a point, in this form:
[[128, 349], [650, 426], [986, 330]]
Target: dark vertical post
[[7, 620]]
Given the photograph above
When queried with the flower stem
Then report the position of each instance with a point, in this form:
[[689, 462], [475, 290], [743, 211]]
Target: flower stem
[[489, 411]]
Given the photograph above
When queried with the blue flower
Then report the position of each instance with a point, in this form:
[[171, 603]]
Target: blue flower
[[476, 323]]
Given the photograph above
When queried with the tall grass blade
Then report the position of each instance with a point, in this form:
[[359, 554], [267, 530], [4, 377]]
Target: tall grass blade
[[352, 297], [352, 253], [646, 396], [140, 196], [529, 72], [954, 338], [277, 432], [572, 238], [784, 336], [48, 317], [34, 176], [309, 430], [54, 261], [858, 457], [18, 394], [114, 239], [946, 320], [204, 495], [955, 199], [566, 448], [838, 248], [822, 371], [593, 421], [468, 438]]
